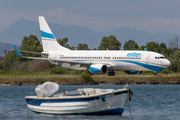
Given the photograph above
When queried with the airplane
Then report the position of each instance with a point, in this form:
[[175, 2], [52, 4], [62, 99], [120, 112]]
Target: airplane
[[96, 61]]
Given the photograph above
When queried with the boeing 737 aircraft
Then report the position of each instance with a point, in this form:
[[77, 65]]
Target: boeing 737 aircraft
[[96, 61]]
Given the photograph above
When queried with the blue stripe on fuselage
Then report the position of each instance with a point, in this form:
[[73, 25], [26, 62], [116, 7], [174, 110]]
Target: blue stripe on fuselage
[[148, 66]]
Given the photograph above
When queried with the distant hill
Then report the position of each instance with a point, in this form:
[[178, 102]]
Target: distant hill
[[14, 34], [6, 46]]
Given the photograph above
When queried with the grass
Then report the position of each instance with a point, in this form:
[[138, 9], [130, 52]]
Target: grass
[[15, 78]]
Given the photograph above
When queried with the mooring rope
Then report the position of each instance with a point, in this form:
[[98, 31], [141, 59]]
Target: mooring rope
[[17, 108], [129, 101]]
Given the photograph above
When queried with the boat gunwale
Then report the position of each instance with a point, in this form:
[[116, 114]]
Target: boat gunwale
[[76, 97]]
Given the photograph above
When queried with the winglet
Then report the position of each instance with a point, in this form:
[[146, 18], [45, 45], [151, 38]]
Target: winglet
[[17, 51], [145, 49]]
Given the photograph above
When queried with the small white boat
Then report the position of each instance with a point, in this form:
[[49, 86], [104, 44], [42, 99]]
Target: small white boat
[[86, 101]]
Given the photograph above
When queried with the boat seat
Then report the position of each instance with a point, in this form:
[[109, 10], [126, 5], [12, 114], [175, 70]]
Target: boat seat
[[92, 91]]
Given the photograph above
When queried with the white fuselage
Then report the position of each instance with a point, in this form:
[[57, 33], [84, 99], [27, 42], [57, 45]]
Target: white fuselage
[[116, 60]]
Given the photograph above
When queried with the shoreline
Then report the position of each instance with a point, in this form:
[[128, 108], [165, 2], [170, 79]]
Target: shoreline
[[6, 80]]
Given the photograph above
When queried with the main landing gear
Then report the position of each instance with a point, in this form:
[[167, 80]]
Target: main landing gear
[[154, 74], [112, 73], [89, 73]]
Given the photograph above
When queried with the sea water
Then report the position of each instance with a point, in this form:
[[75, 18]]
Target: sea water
[[149, 102]]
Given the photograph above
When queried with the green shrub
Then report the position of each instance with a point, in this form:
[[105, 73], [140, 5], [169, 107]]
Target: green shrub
[[87, 78], [166, 71], [58, 70], [147, 73], [1, 66]]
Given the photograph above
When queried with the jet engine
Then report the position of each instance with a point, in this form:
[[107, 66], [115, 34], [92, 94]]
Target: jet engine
[[97, 69], [133, 72]]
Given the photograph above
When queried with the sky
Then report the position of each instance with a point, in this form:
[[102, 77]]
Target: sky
[[101, 15]]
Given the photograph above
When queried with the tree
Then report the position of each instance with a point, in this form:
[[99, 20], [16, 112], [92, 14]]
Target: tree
[[164, 50], [1, 66], [168, 52], [130, 45], [156, 47], [110, 43], [70, 47], [31, 43], [174, 44], [153, 46], [175, 61], [82, 46], [63, 43], [142, 47], [9, 59]]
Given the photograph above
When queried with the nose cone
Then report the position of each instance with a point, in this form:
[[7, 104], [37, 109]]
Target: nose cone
[[166, 63]]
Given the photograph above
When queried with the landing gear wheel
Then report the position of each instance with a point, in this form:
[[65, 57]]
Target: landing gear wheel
[[89, 73], [154, 74], [111, 73]]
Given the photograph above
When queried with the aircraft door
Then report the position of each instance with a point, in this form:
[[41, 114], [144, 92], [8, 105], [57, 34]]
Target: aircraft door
[[148, 58], [55, 56]]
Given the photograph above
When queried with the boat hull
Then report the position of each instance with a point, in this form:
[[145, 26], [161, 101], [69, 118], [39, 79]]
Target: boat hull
[[105, 104]]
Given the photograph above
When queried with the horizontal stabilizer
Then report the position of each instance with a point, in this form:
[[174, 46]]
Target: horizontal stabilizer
[[38, 53]]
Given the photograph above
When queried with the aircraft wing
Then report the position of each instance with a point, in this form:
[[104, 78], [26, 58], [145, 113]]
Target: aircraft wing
[[41, 58]]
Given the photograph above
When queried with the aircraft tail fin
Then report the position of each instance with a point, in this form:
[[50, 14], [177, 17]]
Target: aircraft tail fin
[[48, 39]]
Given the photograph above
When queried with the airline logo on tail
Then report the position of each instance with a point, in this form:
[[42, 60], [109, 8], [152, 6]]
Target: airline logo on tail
[[47, 35]]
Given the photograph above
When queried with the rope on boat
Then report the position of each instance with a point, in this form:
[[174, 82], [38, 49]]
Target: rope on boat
[[17, 108], [129, 101]]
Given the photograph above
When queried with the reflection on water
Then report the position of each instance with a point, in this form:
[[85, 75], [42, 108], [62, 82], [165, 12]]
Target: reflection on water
[[149, 102]]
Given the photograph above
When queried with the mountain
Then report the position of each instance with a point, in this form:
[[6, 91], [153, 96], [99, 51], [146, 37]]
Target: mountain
[[14, 34], [125, 33], [5, 46]]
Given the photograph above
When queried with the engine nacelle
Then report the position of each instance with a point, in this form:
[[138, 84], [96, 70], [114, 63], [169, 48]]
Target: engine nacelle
[[97, 69], [133, 72]]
